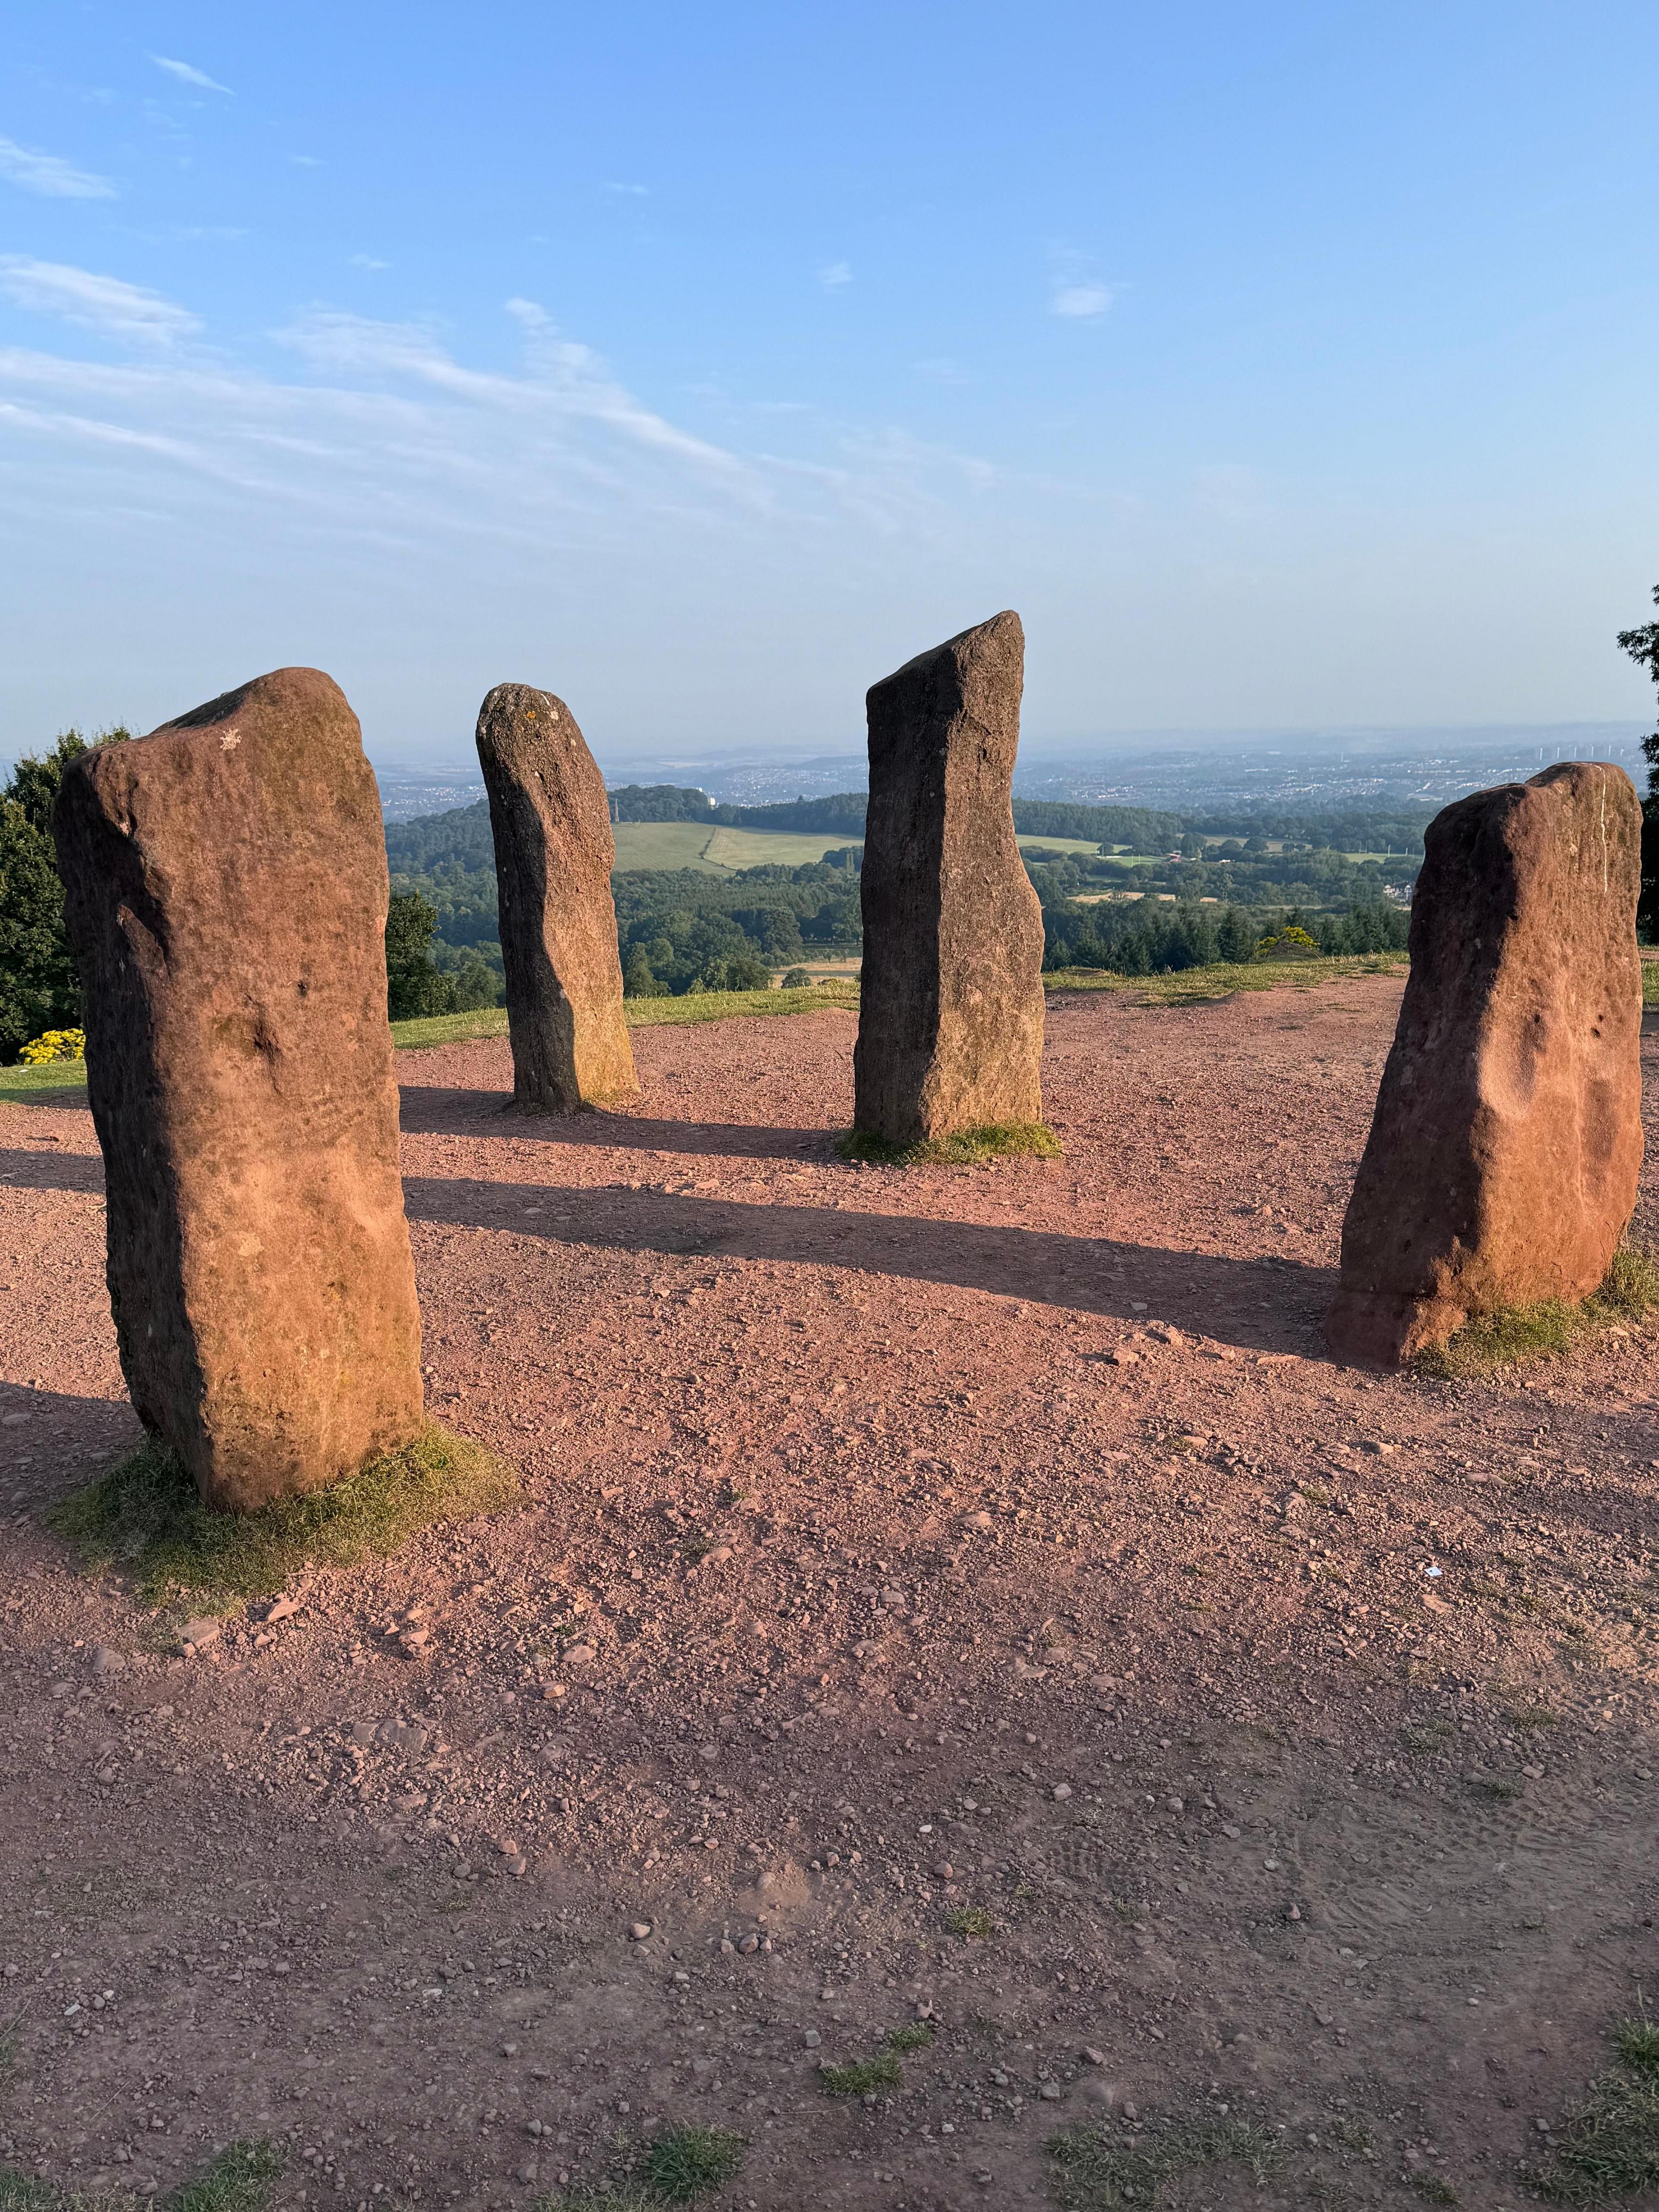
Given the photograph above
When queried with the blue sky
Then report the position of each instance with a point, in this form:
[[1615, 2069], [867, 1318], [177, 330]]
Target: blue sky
[[1282, 364]]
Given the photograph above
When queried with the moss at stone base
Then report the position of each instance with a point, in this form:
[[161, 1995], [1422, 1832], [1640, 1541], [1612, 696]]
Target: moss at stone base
[[996, 1140], [145, 1519], [1515, 1336]]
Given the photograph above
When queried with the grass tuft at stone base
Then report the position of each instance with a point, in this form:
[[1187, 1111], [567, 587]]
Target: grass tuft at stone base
[[1515, 1336], [997, 1140], [145, 1519]]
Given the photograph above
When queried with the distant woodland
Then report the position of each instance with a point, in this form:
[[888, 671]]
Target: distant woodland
[[1156, 892]]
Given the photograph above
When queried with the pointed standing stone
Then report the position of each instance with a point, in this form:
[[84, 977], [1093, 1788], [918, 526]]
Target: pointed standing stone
[[554, 855], [226, 883], [951, 1011], [1503, 1159]]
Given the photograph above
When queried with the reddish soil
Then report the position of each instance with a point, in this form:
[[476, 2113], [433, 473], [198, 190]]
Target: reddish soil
[[1293, 1727]]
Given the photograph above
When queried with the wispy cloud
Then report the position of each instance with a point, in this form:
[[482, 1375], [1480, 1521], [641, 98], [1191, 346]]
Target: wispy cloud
[[367, 261], [835, 275], [187, 73], [386, 452], [630, 191], [306, 161], [104, 304], [45, 173], [1080, 302]]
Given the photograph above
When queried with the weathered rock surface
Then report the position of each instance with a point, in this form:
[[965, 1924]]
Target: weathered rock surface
[[227, 896], [1503, 1154], [951, 1014], [554, 855]]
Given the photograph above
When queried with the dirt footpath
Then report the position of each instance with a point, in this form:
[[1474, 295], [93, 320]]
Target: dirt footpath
[[956, 1595]]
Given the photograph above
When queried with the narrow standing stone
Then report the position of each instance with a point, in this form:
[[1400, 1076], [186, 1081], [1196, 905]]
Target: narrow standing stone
[[226, 883], [950, 1010], [554, 855], [1503, 1159]]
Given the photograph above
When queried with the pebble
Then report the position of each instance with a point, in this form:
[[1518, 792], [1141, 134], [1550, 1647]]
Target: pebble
[[944, 1870], [578, 1655], [812, 2039], [639, 1929], [196, 1635], [107, 1660], [1090, 2057], [1060, 1792], [281, 1608], [976, 1520]]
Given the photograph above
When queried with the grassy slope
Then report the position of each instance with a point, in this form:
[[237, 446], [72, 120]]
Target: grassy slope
[[1189, 984], [1224, 977]]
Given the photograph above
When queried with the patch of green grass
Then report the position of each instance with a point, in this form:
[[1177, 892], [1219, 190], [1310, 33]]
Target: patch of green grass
[[1193, 986], [598, 2197], [1516, 1336], [996, 1140], [1501, 1788], [726, 1006], [1101, 2169], [1433, 2188], [419, 1035], [1609, 2147], [863, 2077], [685, 2162], [968, 1920], [145, 1518], [26, 1082], [239, 2179], [914, 2035]]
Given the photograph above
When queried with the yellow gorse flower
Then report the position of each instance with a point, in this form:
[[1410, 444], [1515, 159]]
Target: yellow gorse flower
[[56, 1044]]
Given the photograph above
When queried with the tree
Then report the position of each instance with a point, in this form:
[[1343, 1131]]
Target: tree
[[38, 988], [638, 979], [1642, 647], [736, 971], [413, 985]]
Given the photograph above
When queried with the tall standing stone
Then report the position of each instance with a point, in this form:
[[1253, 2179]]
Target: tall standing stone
[[950, 1010], [554, 855], [1504, 1156], [225, 882]]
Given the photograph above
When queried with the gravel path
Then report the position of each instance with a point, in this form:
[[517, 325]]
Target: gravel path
[[907, 1553]]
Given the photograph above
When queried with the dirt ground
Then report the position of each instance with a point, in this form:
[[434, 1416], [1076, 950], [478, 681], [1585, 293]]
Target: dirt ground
[[902, 1546]]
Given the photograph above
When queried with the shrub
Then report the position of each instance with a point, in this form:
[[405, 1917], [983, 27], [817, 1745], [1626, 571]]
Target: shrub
[[56, 1044]]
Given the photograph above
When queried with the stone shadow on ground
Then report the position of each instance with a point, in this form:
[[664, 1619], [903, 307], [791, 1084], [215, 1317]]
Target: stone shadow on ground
[[52, 1443], [431, 1112], [1264, 1304], [50, 1170]]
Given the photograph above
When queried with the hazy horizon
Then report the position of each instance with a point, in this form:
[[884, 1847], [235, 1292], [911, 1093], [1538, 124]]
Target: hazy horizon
[[1281, 369]]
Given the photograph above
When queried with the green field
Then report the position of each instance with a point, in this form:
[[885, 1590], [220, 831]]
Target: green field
[[722, 852], [717, 851]]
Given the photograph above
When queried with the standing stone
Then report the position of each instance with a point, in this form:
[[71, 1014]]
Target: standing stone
[[554, 855], [1504, 1156], [225, 882], [951, 1011]]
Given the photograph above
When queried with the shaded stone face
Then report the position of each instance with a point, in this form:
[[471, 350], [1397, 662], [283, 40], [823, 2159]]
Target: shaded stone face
[[226, 883], [554, 855], [951, 1011], [1503, 1159]]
